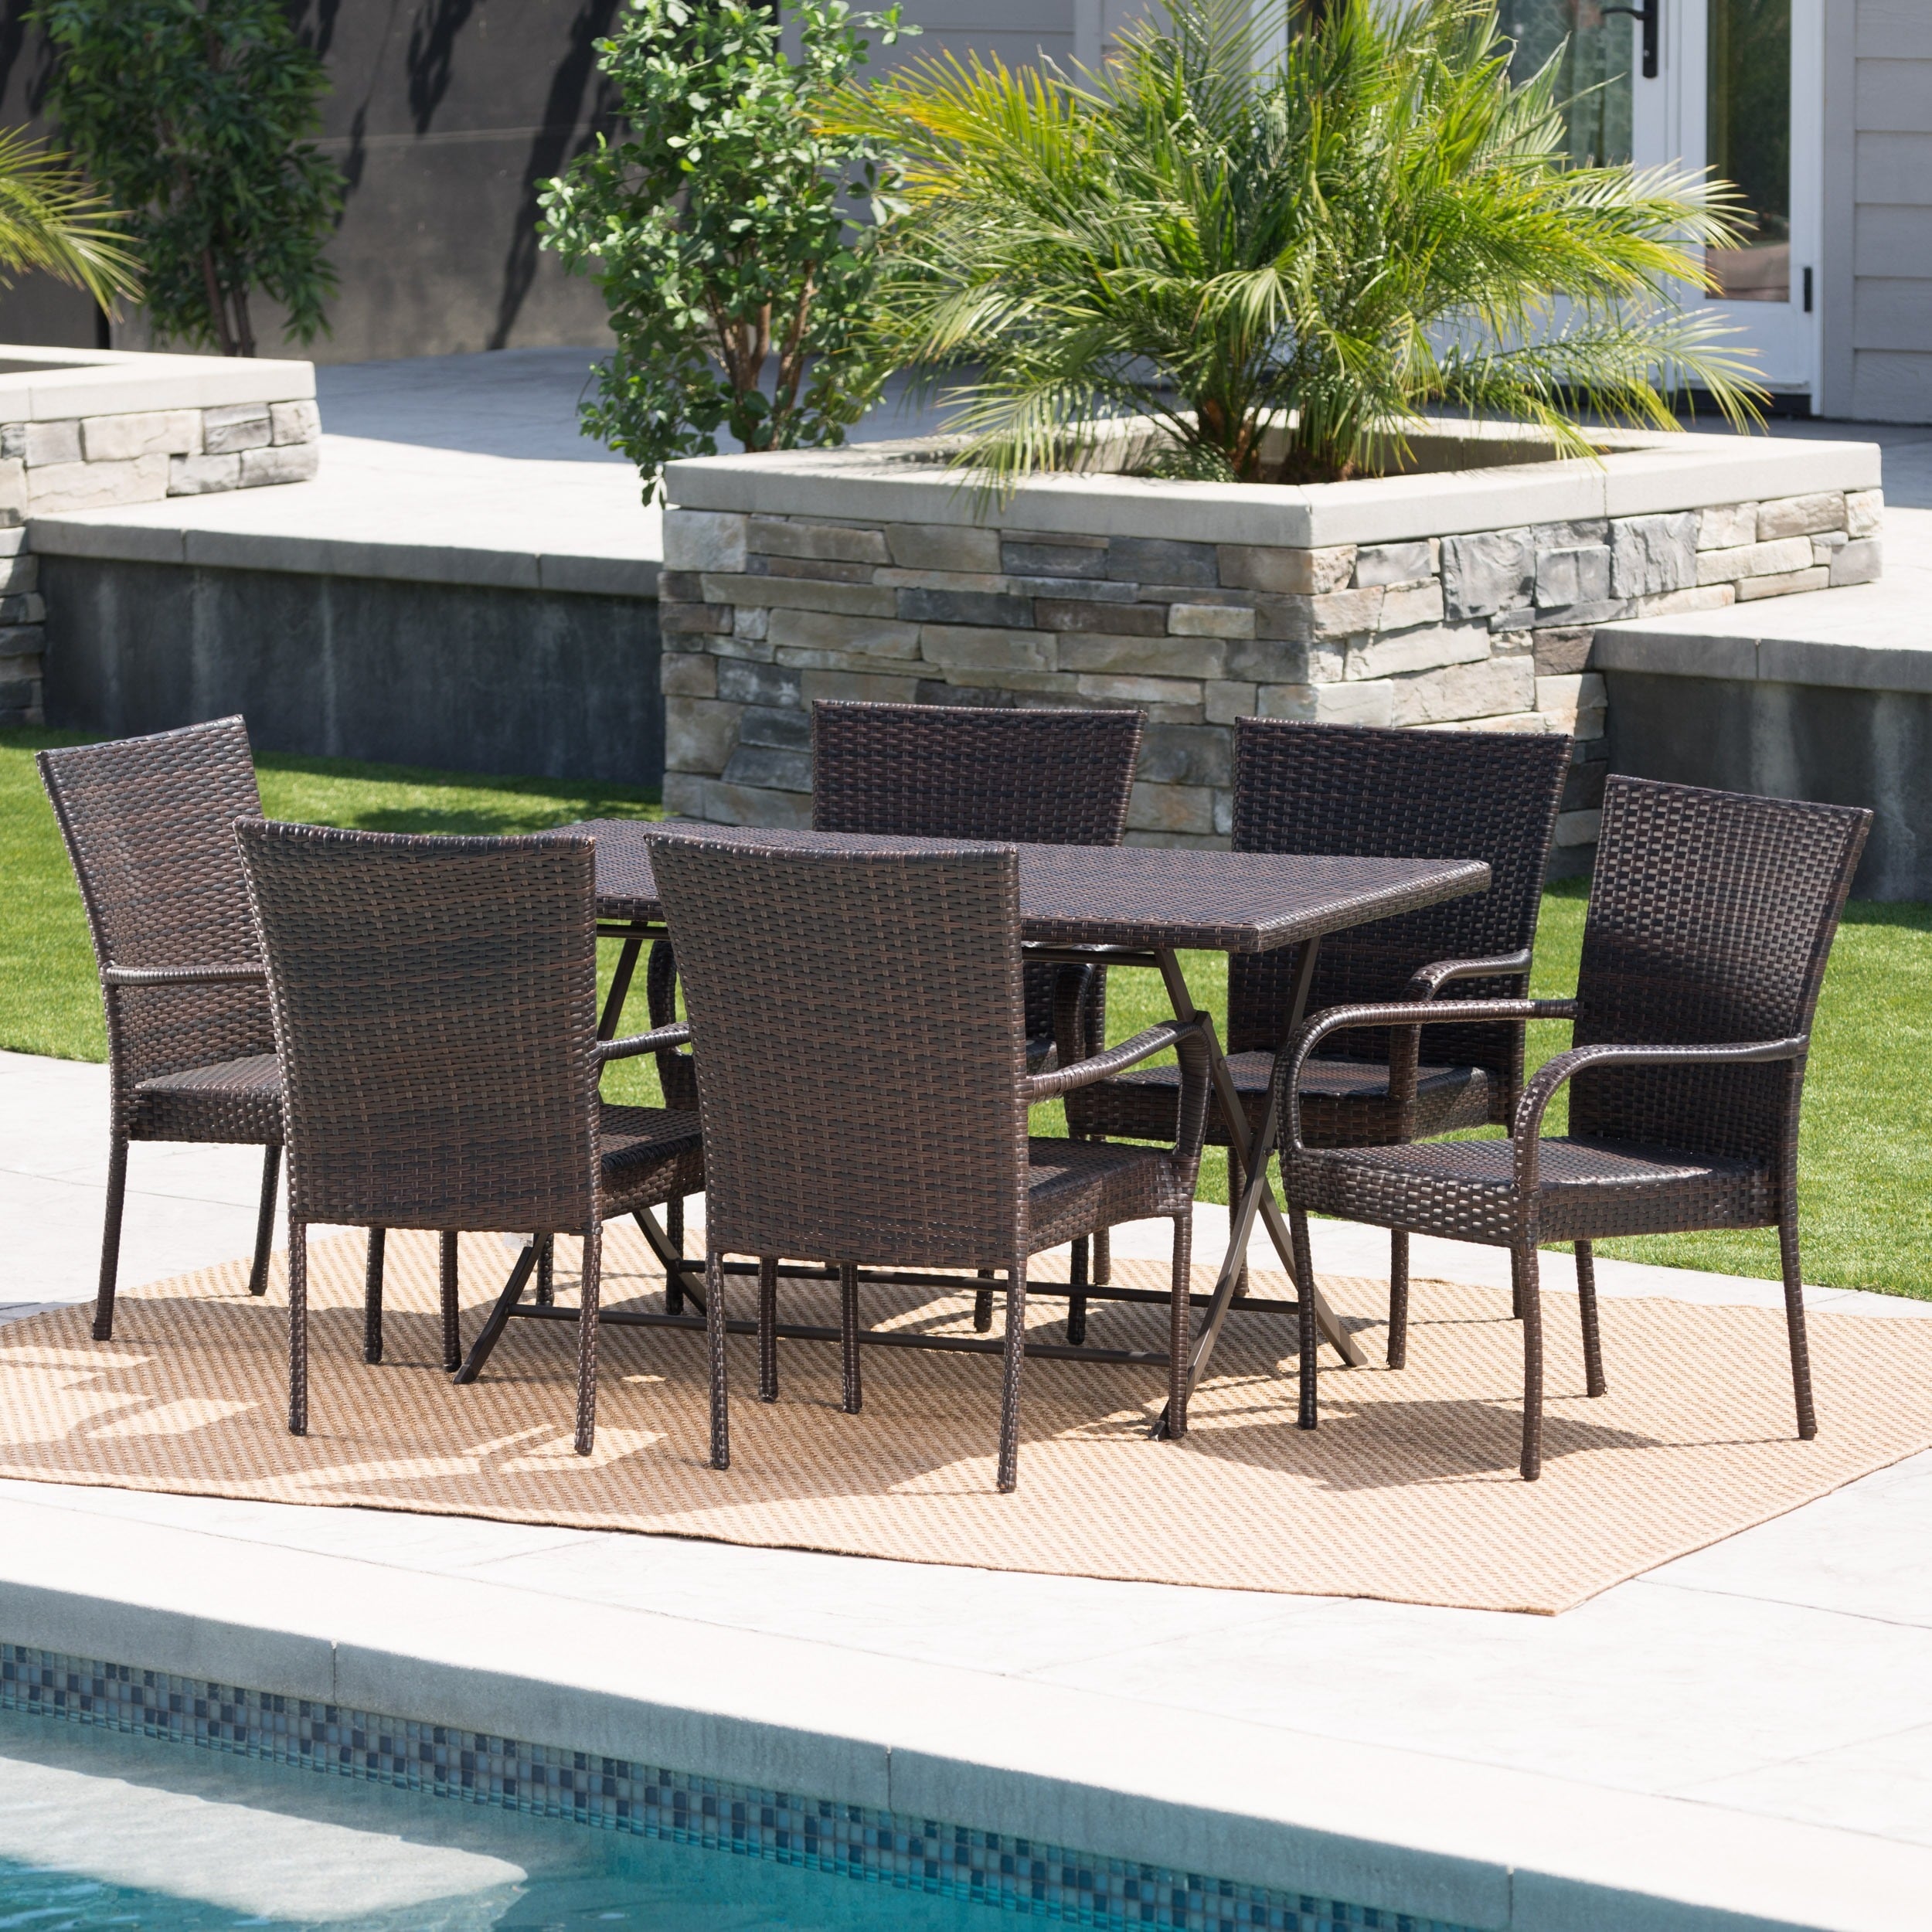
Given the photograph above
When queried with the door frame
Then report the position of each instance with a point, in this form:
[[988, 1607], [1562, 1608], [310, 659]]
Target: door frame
[[1668, 123]]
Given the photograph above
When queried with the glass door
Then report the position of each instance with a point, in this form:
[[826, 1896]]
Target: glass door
[[1737, 87]]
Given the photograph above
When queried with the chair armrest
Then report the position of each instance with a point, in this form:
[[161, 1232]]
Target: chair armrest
[[1526, 1130], [1428, 981], [1405, 1046], [178, 975], [1116, 1059], [1416, 1013], [1189, 1039], [655, 1042]]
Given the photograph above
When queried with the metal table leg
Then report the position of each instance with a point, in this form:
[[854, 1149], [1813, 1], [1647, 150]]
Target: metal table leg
[[621, 980], [1255, 1153]]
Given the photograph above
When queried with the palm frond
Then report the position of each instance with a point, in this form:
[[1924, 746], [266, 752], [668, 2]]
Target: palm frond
[[52, 220]]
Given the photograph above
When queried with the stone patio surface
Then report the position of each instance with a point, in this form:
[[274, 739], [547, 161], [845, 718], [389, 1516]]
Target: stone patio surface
[[1743, 1737]]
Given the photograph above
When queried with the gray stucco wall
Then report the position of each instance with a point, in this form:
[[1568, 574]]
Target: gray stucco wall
[[513, 681], [445, 116], [1843, 746]]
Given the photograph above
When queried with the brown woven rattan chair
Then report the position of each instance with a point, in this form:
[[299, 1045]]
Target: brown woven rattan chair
[[858, 1023], [1046, 777], [1711, 915], [191, 1051], [435, 1006], [1359, 792]]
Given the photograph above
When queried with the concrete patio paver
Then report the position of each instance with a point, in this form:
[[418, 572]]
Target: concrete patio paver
[[1748, 1728]]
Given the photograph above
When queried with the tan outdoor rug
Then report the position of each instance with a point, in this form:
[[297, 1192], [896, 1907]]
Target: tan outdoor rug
[[1408, 1490]]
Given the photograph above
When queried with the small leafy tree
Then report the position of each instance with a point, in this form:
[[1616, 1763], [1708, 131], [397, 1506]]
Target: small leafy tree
[[1277, 257], [51, 219], [191, 115], [718, 228]]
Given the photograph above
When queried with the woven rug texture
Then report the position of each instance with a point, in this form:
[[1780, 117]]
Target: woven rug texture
[[1408, 1491]]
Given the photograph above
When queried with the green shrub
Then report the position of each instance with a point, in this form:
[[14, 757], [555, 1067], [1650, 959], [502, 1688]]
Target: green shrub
[[191, 115], [716, 229], [1280, 257]]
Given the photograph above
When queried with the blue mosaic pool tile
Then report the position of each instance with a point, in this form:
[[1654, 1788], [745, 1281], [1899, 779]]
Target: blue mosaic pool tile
[[926, 1855]]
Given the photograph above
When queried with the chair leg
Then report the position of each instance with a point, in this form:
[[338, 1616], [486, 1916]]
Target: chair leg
[[1013, 1357], [1308, 1336], [1398, 1297], [1524, 1269], [586, 1432], [452, 1334], [1076, 1303], [547, 1271], [1795, 1325], [1102, 1275], [852, 1388], [297, 1329], [372, 1297], [714, 1336], [1180, 1328], [1593, 1382], [673, 1236], [501, 1309], [983, 1304], [265, 1220], [110, 1238], [1515, 1286], [767, 1329]]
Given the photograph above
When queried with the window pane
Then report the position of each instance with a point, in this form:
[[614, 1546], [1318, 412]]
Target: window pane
[[1592, 75], [1749, 138]]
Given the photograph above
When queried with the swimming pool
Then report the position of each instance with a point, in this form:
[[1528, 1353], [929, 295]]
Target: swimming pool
[[225, 1801], [99, 1831]]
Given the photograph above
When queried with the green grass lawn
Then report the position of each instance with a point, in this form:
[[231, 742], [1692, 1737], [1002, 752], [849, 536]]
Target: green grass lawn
[[1866, 1164]]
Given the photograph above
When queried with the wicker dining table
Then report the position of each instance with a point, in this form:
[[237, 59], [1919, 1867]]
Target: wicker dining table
[[1120, 907]]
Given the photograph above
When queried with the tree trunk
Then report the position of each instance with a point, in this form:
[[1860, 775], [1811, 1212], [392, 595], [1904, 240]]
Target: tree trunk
[[217, 306]]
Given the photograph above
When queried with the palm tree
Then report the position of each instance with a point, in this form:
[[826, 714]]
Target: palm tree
[[1274, 239], [53, 221]]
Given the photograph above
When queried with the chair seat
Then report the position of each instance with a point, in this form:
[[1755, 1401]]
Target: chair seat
[[1344, 1103], [650, 1155], [238, 1101], [1588, 1190], [1078, 1187]]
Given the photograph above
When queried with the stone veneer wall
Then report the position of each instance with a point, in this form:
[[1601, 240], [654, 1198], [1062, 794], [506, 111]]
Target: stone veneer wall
[[763, 614], [94, 462]]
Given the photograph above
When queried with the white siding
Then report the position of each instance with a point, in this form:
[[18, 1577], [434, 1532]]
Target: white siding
[[1017, 32], [1890, 317]]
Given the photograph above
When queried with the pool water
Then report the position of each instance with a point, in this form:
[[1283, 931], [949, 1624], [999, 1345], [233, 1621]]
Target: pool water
[[99, 1830]]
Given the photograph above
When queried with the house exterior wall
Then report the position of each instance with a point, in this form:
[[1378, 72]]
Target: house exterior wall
[[1878, 195], [445, 117]]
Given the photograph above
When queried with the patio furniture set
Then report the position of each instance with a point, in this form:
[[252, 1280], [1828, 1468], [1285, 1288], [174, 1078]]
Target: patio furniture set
[[874, 1007]]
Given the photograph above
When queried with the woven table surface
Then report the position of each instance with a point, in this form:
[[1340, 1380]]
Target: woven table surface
[[1408, 1491], [1229, 902]]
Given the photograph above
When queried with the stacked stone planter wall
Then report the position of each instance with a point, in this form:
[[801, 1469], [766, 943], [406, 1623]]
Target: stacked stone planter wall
[[788, 580], [86, 431]]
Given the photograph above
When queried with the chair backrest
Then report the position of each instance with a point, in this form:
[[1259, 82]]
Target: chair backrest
[[1711, 915], [1362, 792], [149, 824], [1050, 777], [856, 1018], [435, 1003], [1046, 777]]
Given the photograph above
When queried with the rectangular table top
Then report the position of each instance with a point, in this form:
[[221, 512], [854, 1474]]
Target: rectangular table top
[[1132, 895]]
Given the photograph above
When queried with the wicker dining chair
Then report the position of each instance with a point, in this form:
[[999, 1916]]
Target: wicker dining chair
[[1052, 776], [1361, 792], [1711, 915], [435, 1007], [148, 824], [858, 1019]]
